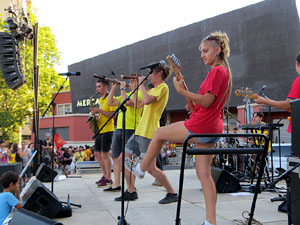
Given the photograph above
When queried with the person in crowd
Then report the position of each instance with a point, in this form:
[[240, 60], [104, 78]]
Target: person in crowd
[[47, 146], [132, 119], [67, 156], [206, 117], [103, 139], [10, 197], [26, 157], [16, 154], [3, 152], [80, 154]]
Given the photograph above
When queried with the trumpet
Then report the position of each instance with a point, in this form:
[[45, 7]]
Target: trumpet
[[108, 79]]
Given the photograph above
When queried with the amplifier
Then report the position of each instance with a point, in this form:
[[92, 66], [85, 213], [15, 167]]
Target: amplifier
[[295, 190]]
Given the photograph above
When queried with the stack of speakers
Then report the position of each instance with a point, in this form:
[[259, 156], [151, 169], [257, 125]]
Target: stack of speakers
[[10, 61]]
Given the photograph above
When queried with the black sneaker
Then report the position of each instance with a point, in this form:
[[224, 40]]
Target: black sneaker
[[128, 196], [113, 189], [169, 199]]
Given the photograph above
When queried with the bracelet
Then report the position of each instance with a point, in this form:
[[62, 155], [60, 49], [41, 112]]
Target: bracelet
[[122, 89]]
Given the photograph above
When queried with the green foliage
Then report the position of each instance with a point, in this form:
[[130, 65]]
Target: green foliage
[[17, 105]]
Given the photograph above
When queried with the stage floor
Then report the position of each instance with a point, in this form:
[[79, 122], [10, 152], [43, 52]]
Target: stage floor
[[99, 208]]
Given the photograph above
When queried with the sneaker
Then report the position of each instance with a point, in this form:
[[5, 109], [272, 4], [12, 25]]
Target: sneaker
[[105, 183], [156, 183], [113, 189], [169, 199], [101, 180], [128, 196], [131, 167]]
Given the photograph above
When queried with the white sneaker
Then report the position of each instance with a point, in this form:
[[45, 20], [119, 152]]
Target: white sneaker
[[131, 167]]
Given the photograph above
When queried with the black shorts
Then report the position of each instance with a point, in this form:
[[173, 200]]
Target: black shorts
[[103, 142]]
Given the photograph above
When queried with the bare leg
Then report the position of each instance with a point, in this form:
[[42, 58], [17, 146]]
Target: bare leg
[[130, 181], [173, 132], [160, 176], [203, 170], [117, 172], [107, 164], [100, 161]]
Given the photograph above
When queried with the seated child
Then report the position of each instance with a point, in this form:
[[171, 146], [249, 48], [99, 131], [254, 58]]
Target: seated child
[[10, 197]]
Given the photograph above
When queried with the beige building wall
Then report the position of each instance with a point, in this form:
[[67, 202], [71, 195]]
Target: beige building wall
[[18, 7], [4, 4]]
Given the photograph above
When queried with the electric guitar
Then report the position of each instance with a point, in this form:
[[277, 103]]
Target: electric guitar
[[244, 92], [176, 68]]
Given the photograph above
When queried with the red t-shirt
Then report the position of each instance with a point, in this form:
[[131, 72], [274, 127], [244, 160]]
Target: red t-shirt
[[210, 120], [294, 94]]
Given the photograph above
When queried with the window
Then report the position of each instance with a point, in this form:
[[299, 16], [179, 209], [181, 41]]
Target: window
[[63, 109]]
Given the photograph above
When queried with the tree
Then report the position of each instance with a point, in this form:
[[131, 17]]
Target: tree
[[16, 105]]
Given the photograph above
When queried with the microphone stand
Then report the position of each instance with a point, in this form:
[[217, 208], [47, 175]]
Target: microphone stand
[[270, 136], [52, 103], [122, 220]]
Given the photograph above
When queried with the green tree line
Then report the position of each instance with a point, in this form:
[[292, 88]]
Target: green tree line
[[17, 105]]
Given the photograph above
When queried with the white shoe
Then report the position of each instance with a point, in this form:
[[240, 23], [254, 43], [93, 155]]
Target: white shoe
[[131, 167]]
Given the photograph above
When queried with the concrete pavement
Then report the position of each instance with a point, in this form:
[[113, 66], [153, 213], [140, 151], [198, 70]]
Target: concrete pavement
[[99, 207]]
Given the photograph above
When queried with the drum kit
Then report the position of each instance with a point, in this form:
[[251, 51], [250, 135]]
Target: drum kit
[[242, 166]]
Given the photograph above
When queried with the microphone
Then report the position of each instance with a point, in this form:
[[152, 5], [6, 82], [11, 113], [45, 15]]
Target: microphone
[[70, 74], [262, 89], [124, 77], [153, 65]]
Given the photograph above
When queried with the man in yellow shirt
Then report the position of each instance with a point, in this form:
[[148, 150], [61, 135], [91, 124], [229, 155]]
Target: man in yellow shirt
[[155, 101], [103, 139], [133, 115], [80, 154]]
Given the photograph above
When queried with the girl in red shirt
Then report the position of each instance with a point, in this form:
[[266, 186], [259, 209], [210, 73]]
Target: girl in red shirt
[[205, 118]]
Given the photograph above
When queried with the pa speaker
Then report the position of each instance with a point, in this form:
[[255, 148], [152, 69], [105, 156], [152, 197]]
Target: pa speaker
[[295, 190], [16, 167], [225, 182], [295, 114], [10, 61], [44, 173], [37, 198], [25, 217]]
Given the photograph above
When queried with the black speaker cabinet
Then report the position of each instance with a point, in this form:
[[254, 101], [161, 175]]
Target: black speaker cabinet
[[16, 167], [295, 190], [295, 114], [225, 182], [25, 217], [44, 173], [37, 198]]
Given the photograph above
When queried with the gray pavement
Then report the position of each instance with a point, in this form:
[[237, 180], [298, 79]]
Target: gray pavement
[[99, 207]]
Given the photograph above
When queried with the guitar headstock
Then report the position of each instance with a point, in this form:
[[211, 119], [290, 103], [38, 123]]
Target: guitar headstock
[[174, 62], [245, 91]]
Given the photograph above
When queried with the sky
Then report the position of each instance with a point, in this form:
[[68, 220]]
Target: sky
[[84, 29]]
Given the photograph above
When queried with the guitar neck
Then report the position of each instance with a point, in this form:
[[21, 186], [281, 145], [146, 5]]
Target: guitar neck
[[189, 101]]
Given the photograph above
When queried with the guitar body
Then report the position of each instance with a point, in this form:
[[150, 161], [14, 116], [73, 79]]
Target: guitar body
[[176, 68]]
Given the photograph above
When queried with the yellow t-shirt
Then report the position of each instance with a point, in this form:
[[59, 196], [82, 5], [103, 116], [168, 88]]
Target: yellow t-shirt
[[265, 132], [130, 115], [80, 156], [88, 154], [152, 112], [102, 119], [12, 158]]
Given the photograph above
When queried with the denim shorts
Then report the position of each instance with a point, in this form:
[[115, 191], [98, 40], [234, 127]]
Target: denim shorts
[[116, 147], [137, 145], [206, 140]]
